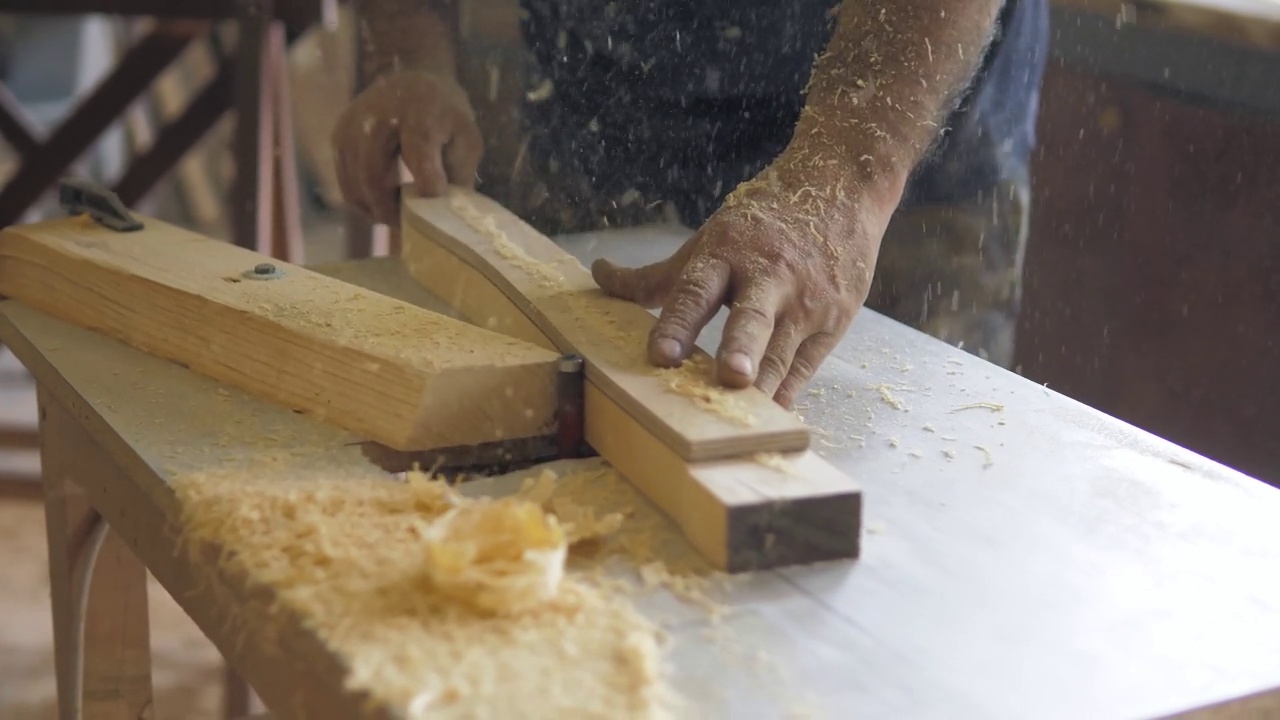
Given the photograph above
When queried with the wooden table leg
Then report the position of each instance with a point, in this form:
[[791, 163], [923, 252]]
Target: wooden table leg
[[102, 644]]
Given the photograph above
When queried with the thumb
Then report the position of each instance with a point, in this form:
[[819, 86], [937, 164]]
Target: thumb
[[648, 285]]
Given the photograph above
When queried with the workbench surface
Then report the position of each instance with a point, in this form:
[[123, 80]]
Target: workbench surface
[[1024, 555]]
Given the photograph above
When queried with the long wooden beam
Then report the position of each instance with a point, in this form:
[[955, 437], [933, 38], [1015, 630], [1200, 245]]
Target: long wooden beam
[[382, 368], [742, 506]]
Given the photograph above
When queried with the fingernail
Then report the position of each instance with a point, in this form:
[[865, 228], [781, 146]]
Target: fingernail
[[738, 363], [668, 349]]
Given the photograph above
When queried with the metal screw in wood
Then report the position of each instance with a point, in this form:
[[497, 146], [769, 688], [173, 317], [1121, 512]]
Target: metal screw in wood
[[263, 271]]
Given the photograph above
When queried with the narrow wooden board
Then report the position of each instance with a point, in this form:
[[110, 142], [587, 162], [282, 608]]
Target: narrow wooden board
[[752, 511], [380, 367], [549, 287], [742, 514]]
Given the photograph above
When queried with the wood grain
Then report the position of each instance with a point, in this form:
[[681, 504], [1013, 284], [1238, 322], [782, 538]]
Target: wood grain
[[553, 290], [115, 683], [382, 368], [741, 514]]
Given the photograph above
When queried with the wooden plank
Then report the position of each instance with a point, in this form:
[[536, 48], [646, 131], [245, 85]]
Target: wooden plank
[[379, 367], [741, 513], [554, 291]]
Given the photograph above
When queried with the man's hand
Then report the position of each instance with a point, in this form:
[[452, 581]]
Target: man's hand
[[794, 265], [792, 251], [419, 116]]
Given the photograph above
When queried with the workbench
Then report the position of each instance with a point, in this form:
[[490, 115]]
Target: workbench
[[1024, 555]]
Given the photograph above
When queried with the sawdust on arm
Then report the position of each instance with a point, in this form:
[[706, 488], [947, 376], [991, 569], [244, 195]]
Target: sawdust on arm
[[891, 73], [407, 35]]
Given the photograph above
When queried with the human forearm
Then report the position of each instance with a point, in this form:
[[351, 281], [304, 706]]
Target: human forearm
[[407, 35], [892, 72]]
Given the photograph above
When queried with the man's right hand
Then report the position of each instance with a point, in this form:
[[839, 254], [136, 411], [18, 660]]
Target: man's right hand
[[418, 116]]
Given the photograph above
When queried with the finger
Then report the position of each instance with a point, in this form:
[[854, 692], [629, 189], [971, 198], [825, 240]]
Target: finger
[[377, 173], [809, 356], [648, 285], [746, 334], [691, 304], [462, 155], [348, 183], [384, 198], [776, 362], [422, 147]]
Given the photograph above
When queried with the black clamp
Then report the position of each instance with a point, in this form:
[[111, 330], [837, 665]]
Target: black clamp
[[570, 380], [79, 196]]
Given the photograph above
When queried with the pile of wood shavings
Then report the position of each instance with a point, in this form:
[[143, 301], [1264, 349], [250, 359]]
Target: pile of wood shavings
[[645, 542], [383, 572]]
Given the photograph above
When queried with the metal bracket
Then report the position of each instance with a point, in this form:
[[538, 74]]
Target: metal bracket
[[570, 441], [79, 196]]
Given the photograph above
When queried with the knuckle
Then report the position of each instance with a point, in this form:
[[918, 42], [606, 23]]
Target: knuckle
[[772, 368], [751, 314], [802, 369], [694, 294]]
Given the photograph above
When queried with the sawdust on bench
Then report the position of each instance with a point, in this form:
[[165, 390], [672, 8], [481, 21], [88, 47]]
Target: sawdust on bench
[[450, 606]]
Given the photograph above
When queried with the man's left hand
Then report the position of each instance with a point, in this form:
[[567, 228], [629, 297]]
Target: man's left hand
[[792, 261]]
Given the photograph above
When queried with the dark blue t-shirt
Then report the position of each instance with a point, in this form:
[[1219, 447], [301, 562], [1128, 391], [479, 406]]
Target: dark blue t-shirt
[[731, 73]]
